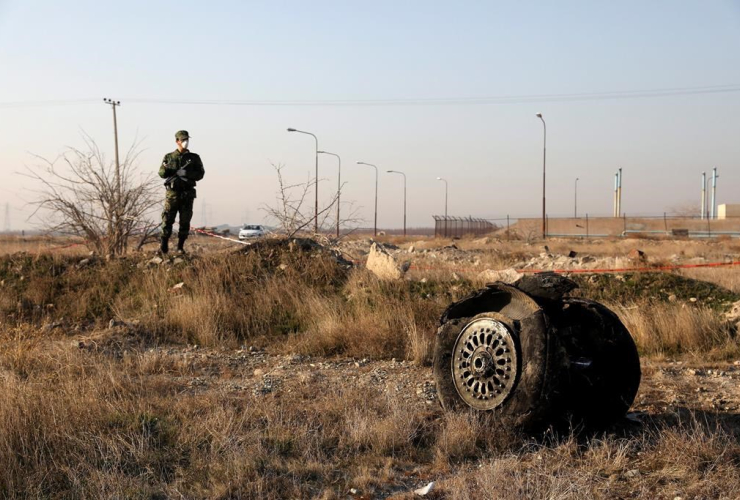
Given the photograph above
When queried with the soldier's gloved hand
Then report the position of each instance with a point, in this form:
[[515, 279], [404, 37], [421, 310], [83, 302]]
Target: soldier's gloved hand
[[181, 172]]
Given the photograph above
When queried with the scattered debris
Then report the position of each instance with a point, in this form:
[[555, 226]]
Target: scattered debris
[[422, 492], [177, 288], [733, 315], [383, 264], [154, 262], [637, 255]]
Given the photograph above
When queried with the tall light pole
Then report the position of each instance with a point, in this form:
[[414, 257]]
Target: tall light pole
[[404, 197], [544, 158], [445, 181], [375, 225], [575, 203], [316, 182], [339, 183]]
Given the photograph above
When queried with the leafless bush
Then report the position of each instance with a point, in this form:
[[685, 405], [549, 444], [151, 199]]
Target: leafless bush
[[293, 217], [83, 194]]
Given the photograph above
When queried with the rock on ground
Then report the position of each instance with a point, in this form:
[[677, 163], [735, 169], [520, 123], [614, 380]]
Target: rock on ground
[[508, 276]]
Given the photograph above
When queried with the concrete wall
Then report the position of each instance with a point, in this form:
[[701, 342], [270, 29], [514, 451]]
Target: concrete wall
[[608, 226], [727, 210]]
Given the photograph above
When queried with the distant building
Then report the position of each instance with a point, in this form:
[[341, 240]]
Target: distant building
[[726, 210]]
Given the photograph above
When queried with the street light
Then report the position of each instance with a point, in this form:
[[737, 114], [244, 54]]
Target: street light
[[316, 182], [375, 226], [544, 157], [575, 204], [339, 183], [404, 197], [445, 181]]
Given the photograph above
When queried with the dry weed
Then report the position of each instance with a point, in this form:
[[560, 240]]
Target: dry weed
[[669, 329]]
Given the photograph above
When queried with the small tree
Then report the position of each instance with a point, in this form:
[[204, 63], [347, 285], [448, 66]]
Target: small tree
[[79, 196], [290, 214]]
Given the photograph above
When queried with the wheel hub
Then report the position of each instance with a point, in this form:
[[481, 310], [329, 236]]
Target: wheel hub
[[485, 363]]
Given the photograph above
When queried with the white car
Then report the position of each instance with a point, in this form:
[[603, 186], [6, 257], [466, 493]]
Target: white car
[[251, 231]]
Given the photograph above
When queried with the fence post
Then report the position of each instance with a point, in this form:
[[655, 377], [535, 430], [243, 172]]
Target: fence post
[[507, 227], [665, 223], [586, 225], [547, 225], [624, 218]]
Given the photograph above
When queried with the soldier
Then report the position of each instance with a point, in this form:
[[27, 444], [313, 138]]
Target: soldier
[[180, 169]]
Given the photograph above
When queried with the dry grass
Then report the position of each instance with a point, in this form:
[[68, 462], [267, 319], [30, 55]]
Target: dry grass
[[82, 425], [670, 329], [727, 277], [130, 419], [691, 460]]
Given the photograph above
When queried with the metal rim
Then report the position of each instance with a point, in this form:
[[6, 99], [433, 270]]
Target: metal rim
[[485, 363]]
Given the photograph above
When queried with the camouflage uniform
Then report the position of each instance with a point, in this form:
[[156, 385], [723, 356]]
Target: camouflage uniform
[[180, 190]]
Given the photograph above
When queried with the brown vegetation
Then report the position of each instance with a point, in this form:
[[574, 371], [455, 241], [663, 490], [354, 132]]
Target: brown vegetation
[[133, 410]]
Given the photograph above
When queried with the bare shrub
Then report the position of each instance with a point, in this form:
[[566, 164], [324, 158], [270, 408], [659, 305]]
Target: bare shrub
[[293, 217], [88, 197]]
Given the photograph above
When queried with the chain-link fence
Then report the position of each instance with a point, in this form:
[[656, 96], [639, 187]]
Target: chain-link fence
[[456, 227]]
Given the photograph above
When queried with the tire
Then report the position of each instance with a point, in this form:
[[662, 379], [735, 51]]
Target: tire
[[536, 396], [604, 364]]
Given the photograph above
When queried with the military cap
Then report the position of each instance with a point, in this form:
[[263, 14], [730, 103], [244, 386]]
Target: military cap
[[182, 135]]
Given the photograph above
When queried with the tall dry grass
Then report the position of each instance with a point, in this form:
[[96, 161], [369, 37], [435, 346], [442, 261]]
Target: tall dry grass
[[301, 301], [669, 329], [691, 460], [80, 425], [289, 301]]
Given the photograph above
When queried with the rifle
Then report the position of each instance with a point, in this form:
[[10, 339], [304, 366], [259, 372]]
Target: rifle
[[169, 181]]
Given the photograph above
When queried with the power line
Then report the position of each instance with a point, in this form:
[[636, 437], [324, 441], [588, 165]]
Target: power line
[[434, 101], [60, 102], [513, 99]]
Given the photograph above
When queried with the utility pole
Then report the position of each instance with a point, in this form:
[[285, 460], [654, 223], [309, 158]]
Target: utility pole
[[117, 208]]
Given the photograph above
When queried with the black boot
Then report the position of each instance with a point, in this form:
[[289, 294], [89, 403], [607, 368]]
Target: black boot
[[181, 244], [164, 246]]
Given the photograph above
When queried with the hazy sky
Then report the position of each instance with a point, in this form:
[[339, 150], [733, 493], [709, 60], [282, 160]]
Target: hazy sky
[[346, 50]]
